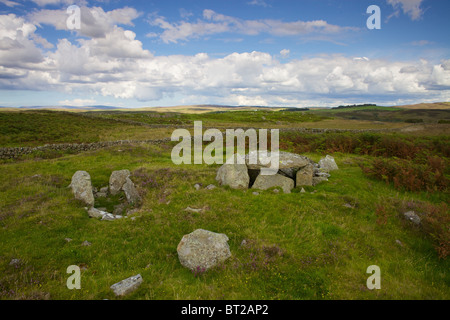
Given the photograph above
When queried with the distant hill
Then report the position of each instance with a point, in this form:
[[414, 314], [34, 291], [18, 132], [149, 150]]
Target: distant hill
[[203, 108], [74, 108], [429, 106]]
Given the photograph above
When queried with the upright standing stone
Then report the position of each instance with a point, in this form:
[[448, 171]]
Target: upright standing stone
[[130, 191], [117, 180], [82, 187]]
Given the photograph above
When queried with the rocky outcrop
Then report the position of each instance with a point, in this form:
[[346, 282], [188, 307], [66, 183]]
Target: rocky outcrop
[[203, 249]]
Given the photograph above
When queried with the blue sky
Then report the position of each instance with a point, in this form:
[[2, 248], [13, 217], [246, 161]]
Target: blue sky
[[252, 52]]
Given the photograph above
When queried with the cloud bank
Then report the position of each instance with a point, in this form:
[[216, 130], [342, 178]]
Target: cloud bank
[[108, 60]]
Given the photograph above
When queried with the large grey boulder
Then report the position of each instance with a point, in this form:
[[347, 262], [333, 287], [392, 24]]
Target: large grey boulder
[[117, 180], [258, 160], [327, 164], [126, 286], [304, 176], [131, 192], [263, 182], [203, 249], [82, 187], [233, 175]]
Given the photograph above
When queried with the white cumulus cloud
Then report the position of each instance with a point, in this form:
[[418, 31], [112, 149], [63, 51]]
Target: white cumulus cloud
[[214, 23], [409, 7]]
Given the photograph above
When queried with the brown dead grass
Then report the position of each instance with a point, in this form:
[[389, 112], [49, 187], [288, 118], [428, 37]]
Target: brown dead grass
[[428, 106]]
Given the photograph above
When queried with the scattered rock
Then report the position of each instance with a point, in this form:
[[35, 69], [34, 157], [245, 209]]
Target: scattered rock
[[101, 194], [104, 190], [210, 187], [127, 286], [317, 180], [302, 191], [323, 174], [15, 262], [276, 191], [255, 193], [82, 187], [233, 175], [117, 180], [328, 164], [109, 217], [68, 239], [132, 211], [413, 217], [86, 243], [243, 243], [399, 243], [348, 205], [264, 182], [203, 249], [189, 209], [96, 213], [197, 186]]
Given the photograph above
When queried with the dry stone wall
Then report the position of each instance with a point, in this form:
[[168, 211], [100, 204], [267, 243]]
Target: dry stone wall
[[15, 152]]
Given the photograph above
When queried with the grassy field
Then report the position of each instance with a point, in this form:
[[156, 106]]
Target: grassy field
[[312, 245]]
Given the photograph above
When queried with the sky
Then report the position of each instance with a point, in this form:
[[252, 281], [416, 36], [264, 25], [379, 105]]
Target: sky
[[289, 53]]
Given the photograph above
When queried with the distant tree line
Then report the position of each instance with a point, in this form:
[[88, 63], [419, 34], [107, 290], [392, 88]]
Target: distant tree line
[[356, 105], [296, 109]]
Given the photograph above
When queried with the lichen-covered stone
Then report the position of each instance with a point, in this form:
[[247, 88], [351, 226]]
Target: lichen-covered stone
[[264, 182], [82, 187], [203, 249], [233, 175], [117, 180], [127, 286]]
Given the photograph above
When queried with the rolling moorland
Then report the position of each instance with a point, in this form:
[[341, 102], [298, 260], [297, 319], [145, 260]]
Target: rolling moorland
[[302, 245]]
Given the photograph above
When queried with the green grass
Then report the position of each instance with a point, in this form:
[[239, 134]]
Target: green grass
[[34, 128], [299, 245], [216, 118], [386, 114]]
